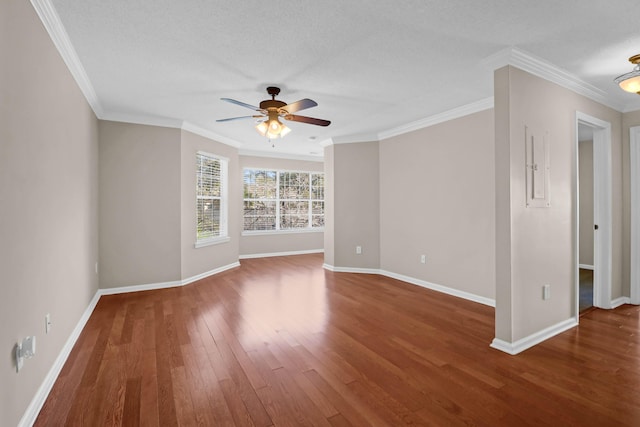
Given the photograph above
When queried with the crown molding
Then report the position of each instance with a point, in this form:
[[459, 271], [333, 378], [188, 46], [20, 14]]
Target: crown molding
[[51, 21], [141, 119], [286, 156], [546, 70], [326, 143], [198, 130], [465, 110], [349, 139]]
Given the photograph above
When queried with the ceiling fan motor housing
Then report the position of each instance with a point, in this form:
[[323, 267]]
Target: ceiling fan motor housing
[[272, 104]]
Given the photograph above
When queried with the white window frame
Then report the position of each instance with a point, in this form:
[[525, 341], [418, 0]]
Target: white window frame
[[223, 233], [278, 200]]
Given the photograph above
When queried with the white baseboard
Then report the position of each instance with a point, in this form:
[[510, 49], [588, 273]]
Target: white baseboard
[[620, 301], [533, 339], [422, 283], [164, 285], [41, 395], [444, 289], [350, 269], [272, 254], [586, 266]]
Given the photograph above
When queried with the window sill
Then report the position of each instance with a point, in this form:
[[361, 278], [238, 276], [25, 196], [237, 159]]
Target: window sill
[[273, 232], [213, 241]]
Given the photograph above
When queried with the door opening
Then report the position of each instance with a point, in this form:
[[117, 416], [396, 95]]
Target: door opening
[[634, 139], [585, 218], [602, 215]]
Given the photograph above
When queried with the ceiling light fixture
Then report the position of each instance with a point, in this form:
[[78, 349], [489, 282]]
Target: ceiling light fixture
[[271, 110], [630, 82], [272, 127]]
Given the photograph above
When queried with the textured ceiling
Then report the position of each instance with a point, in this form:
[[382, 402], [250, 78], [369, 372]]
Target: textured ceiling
[[372, 65]]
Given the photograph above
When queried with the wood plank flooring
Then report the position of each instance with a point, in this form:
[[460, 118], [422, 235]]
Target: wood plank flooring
[[282, 342]]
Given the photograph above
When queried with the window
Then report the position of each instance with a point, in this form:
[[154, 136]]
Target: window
[[283, 200], [211, 199]]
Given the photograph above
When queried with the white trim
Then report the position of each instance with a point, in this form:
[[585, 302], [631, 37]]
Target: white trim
[[356, 270], [634, 151], [285, 231], [288, 253], [585, 266], [51, 21], [533, 339], [287, 156], [211, 242], [547, 71], [139, 288], [206, 133], [455, 113], [602, 210], [164, 285], [354, 139], [141, 119], [444, 289], [418, 282], [209, 273], [620, 301], [41, 395], [465, 110], [326, 143]]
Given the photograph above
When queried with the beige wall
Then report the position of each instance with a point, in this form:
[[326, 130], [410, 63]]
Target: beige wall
[[48, 203], [196, 261], [437, 199], [353, 174], [329, 211], [629, 120], [535, 246], [284, 242], [585, 181], [139, 204]]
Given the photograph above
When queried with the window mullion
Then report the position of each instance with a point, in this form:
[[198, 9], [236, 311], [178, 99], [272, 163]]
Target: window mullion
[[309, 207], [277, 200]]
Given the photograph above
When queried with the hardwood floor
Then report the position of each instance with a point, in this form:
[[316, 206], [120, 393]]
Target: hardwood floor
[[280, 341]]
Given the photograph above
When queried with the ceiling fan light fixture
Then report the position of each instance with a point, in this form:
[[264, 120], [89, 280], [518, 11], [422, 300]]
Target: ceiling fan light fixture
[[272, 128], [271, 110], [630, 82], [262, 128]]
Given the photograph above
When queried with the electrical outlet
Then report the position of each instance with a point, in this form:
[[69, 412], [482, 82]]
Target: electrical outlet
[[358, 250], [423, 259], [546, 292], [96, 267], [47, 323]]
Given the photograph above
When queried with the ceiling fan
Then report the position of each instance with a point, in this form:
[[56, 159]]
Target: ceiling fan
[[272, 110]]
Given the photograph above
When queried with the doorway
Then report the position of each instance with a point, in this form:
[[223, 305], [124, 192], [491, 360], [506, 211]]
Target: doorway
[[634, 150], [585, 218], [600, 133]]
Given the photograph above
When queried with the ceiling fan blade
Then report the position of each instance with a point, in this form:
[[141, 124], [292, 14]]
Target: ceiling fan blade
[[242, 104], [303, 104], [308, 120], [238, 118]]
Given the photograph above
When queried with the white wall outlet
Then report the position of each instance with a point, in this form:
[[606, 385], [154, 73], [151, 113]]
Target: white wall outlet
[[358, 250], [546, 292], [96, 267], [47, 323], [423, 259], [25, 350]]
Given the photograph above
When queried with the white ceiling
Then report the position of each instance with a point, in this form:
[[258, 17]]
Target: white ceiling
[[373, 66]]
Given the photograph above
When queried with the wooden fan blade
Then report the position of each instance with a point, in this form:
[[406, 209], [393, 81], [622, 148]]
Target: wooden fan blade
[[238, 118], [308, 120], [242, 104], [303, 104]]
